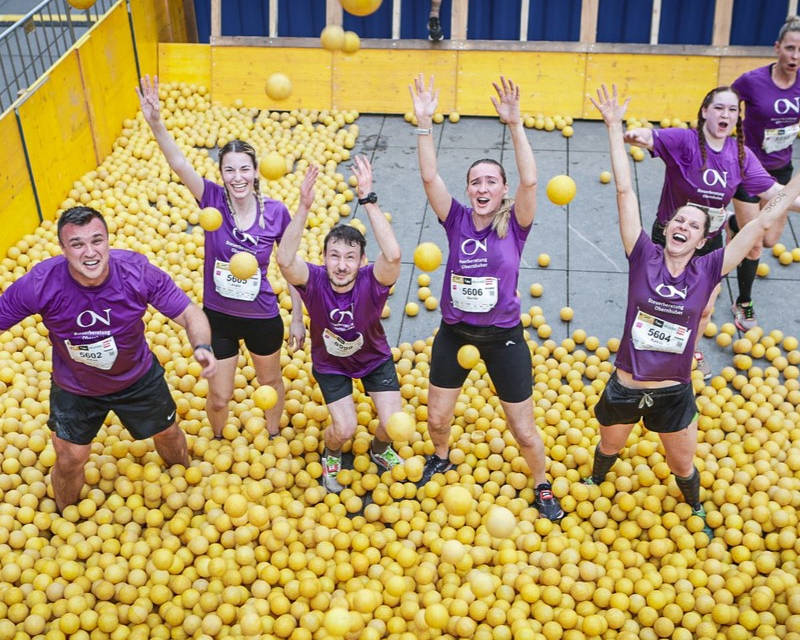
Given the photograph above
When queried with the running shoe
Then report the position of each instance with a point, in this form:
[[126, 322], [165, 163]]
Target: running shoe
[[435, 32], [589, 481], [434, 465], [744, 315], [702, 366], [386, 460], [701, 513], [546, 502], [331, 465]]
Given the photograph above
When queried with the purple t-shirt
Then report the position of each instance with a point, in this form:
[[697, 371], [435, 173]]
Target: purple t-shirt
[[252, 298], [347, 336], [771, 118], [664, 312], [97, 333], [686, 181], [480, 284]]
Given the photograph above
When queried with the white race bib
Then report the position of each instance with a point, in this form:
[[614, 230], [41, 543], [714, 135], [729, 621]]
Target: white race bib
[[717, 215], [338, 346], [473, 294], [100, 355], [229, 286], [650, 333], [779, 139]]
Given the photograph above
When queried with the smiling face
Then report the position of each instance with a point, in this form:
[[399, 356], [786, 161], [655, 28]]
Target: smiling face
[[486, 188], [721, 114], [238, 174], [342, 261], [686, 232], [86, 249], [788, 52]]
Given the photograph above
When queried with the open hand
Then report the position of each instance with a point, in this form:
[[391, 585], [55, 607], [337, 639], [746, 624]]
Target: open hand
[[362, 170], [609, 105], [425, 99], [307, 187], [148, 99], [507, 102]]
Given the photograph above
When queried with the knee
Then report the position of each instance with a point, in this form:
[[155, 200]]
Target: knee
[[528, 437], [341, 431], [438, 421], [609, 445], [71, 460], [170, 433], [218, 399], [681, 468], [273, 378]]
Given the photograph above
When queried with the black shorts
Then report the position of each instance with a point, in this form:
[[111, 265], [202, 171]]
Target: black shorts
[[146, 408], [664, 410], [782, 175], [335, 386], [504, 350], [262, 336], [657, 235]]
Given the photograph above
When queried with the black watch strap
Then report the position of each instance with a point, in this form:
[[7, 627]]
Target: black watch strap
[[371, 197], [207, 347]]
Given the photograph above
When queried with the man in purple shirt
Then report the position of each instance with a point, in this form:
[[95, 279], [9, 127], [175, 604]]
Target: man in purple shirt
[[344, 299], [92, 300]]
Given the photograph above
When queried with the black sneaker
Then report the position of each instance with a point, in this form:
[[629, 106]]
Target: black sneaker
[[433, 465], [435, 32], [547, 503]]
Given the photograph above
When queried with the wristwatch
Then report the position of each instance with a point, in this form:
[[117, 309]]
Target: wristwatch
[[207, 347], [370, 198]]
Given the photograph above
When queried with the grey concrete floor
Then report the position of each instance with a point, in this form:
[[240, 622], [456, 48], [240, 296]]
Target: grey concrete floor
[[588, 268]]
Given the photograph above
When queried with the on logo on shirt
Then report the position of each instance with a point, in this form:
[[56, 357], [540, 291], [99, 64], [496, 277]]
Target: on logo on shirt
[[669, 291], [89, 318], [712, 177], [785, 105], [470, 246]]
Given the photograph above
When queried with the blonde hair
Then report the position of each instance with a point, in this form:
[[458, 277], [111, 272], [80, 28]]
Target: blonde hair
[[501, 218], [792, 24]]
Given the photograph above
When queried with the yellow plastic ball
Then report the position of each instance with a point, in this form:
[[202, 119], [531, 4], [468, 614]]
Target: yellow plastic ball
[[243, 265], [332, 37], [561, 190], [427, 256], [279, 87], [265, 397], [210, 218]]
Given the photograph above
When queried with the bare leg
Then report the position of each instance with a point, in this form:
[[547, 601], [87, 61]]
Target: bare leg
[[220, 392], [171, 445], [520, 420], [343, 423], [268, 371], [680, 448], [436, 5], [441, 405], [67, 475], [386, 403], [613, 438]]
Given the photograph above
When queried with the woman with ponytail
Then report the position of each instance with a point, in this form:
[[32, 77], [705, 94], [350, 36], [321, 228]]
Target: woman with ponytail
[[236, 309], [771, 96], [480, 303], [704, 167]]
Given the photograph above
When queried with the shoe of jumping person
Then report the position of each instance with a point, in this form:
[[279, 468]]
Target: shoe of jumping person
[[589, 481], [386, 460], [702, 365], [435, 32], [701, 513], [546, 502], [744, 315], [331, 465], [433, 465]]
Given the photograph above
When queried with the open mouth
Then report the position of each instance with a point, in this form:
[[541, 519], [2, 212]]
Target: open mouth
[[239, 188], [679, 237], [483, 201], [91, 264], [723, 126]]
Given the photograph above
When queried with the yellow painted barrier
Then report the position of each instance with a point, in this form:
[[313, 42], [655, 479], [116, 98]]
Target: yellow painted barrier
[[108, 69], [376, 80], [146, 16], [19, 214], [55, 123]]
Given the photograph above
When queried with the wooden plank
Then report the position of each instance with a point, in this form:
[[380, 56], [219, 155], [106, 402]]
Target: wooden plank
[[396, 15], [458, 20], [55, 123], [723, 16], [180, 62], [108, 69], [660, 85], [145, 29], [273, 18], [732, 68], [589, 21], [18, 213], [388, 74], [308, 69], [551, 83], [655, 22], [216, 19], [524, 17], [334, 14]]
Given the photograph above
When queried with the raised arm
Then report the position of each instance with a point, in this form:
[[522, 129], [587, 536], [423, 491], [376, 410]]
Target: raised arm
[[773, 234], [630, 226], [292, 266], [425, 100], [772, 217], [197, 328], [151, 110], [507, 106], [387, 264], [641, 137]]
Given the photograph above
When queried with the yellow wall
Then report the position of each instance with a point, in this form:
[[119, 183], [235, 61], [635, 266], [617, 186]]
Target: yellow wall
[[376, 80], [18, 215]]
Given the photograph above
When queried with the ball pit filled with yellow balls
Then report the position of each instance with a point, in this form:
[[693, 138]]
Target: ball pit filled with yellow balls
[[246, 544]]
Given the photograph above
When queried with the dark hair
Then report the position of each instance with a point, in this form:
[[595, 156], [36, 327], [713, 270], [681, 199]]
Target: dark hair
[[792, 24], [347, 234], [240, 146], [701, 136], [706, 217], [79, 216]]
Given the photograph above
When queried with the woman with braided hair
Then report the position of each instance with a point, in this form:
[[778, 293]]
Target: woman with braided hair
[[236, 309], [704, 168]]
